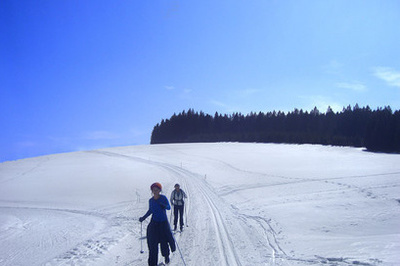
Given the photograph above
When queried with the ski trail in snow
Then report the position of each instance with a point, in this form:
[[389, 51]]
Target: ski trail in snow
[[269, 233], [93, 250], [258, 229], [227, 251], [227, 224], [214, 226], [224, 241], [43, 232], [225, 245]]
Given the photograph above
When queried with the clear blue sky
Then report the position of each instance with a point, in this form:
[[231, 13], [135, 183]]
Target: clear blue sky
[[79, 75]]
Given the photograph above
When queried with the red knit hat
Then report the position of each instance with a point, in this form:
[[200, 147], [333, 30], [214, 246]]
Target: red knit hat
[[156, 184]]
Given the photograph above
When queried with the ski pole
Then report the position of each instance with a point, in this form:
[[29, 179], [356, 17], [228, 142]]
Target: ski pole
[[180, 252], [141, 237], [170, 215], [185, 214]]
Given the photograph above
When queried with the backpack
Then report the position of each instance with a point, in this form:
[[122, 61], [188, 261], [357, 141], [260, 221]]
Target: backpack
[[178, 197]]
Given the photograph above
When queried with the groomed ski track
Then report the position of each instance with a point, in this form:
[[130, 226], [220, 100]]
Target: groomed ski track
[[228, 222], [214, 223], [203, 213]]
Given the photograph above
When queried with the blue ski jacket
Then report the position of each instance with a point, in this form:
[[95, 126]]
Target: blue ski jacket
[[158, 209]]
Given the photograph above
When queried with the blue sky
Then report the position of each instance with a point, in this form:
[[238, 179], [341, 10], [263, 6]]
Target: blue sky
[[79, 75]]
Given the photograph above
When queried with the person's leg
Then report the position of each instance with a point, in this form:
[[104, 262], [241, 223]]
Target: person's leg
[[165, 249], [181, 216], [165, 230], [152, 243], [176, 209]]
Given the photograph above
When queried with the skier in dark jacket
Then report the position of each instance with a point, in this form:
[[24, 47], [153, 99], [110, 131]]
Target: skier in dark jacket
[[177, 200], [158, 230]]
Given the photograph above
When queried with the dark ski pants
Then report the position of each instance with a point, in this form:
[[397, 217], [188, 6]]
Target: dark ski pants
[[178, 209], [159, 233]]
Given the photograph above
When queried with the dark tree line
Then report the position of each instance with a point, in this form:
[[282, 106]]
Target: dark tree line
[[377, 130]]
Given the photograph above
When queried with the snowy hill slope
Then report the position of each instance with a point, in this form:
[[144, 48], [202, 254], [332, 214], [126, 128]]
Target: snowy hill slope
[[249, 204]]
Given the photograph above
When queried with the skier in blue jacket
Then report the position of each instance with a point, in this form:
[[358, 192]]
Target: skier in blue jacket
[[158, 230]]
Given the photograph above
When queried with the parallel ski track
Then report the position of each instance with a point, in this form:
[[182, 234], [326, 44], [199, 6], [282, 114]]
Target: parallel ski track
[[227, 252], [225, 245], [227, 249]]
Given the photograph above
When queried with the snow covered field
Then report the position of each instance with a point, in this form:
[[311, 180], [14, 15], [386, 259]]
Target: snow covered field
[[249, 204]]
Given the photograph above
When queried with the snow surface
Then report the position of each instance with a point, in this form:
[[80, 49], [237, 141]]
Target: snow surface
[[249, 204]]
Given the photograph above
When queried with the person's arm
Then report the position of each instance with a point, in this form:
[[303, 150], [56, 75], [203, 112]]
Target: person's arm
[[141, 219], [164, 203], [172, 197]]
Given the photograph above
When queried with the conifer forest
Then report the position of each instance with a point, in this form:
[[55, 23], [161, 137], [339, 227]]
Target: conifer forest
[[376, 130]]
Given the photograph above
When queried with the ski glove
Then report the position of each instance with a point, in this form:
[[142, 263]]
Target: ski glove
[[141, 219]]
